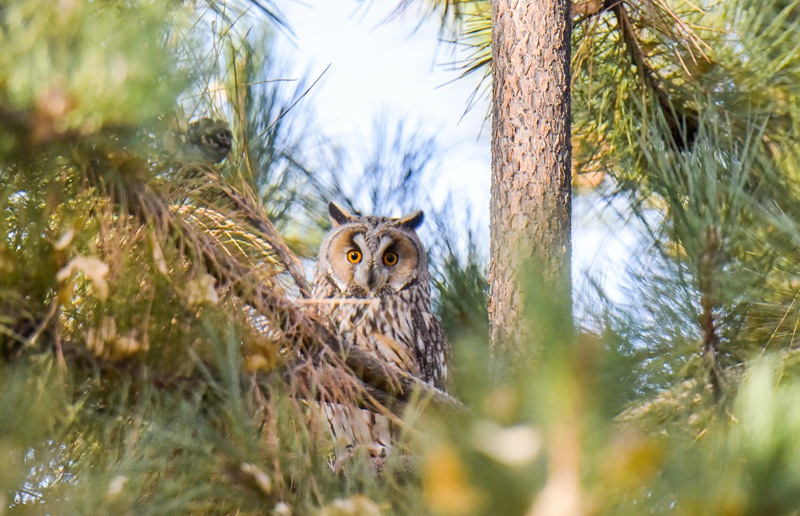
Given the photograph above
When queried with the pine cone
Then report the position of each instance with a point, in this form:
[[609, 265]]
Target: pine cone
[[211, 137]]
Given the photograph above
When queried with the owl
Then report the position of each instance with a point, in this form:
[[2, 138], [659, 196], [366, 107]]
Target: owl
[[372, 284]]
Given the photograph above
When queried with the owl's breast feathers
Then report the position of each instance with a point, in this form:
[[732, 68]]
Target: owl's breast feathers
[[398, 328]]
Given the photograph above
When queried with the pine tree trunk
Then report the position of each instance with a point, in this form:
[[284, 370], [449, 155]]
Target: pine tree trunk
[[531, 158]]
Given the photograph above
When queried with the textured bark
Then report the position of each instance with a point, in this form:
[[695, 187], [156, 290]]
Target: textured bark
[[531, 158]]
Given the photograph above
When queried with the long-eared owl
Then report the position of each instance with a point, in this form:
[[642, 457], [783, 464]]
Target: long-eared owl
[[382, 262]]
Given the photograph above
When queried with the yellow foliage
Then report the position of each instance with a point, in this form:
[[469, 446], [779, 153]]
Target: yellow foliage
[[446, 486]]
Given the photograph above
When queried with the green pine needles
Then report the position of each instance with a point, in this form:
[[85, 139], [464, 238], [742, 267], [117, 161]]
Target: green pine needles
[[162, 191]]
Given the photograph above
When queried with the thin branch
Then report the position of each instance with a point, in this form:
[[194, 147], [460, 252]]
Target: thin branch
[[682, 124], [296, 101], [707, 270]]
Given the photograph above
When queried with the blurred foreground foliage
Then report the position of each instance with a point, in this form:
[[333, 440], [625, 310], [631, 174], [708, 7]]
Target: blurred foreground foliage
[[157, 357]]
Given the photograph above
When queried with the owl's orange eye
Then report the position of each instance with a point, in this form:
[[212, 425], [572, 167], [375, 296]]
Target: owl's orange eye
[[390, 259], [353, 256]]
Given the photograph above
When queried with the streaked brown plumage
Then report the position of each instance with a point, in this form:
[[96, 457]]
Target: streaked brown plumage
[[379, 268]]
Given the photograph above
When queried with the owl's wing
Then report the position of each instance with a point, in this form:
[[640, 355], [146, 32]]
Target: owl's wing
[[433, 349]]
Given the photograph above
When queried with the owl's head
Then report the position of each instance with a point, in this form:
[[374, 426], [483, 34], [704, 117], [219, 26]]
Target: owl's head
[[364, 256]]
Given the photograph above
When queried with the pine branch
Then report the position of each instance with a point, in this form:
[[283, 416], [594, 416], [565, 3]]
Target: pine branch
[[682, 122], [298, 326], [706, 271], [213, 140], [258, 219]]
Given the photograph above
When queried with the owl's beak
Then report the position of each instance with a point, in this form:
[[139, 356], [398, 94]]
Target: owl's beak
[[372, 281]]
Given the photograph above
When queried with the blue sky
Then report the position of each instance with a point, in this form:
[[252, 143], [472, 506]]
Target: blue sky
[[391, 67]]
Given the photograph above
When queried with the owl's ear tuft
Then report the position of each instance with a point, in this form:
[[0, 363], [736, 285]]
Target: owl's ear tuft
[[338, 214], [412, 220]]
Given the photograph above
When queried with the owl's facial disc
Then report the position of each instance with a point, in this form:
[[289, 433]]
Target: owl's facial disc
[[363, 261]]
